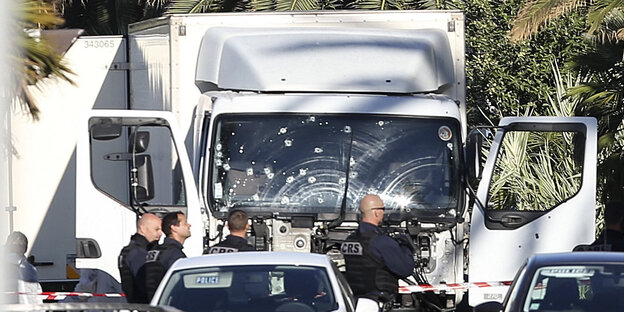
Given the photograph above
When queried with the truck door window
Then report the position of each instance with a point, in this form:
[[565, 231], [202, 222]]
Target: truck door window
[[137, 164], [536, 170]]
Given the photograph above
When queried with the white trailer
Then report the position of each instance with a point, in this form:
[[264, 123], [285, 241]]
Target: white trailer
[[42, 164], [293, 117]]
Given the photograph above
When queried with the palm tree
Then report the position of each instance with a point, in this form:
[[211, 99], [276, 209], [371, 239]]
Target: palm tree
[[33, 57], [107, 17], [536, 167], [603, 97], [205, 6], [536, 13]]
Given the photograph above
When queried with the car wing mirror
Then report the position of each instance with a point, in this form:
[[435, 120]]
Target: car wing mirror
[[366, 305]]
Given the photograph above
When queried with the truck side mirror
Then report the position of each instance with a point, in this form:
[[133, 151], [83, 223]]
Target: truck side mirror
[[474, 144], [490, 306], [143, 184], [104, 129], [139, 141]]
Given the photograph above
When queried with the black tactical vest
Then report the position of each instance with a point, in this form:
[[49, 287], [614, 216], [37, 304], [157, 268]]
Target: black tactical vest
[[154, 270], [366, 273], [230, 244], [130, 286]]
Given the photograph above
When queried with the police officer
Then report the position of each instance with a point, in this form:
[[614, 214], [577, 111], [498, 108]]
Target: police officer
[[23, 276], [374, 260], [161, 257], [612, 237], [237, 240], [132, 257]]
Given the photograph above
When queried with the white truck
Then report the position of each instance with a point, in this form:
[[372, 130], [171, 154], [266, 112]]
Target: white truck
[[293, 117]]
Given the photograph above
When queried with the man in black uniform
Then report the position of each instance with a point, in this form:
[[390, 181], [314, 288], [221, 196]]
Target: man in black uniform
[[374, 260], [132, 257], [161, 257], [612, 237], [237, 240]]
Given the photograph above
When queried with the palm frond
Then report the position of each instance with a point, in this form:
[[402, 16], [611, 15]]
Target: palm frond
[[599, 11], [190, 6], [611, 30], [537, 170], [35, 60], [534, 14], [297, 5]]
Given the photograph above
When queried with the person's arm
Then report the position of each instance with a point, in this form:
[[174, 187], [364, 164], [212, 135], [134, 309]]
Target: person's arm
[[398, 259]]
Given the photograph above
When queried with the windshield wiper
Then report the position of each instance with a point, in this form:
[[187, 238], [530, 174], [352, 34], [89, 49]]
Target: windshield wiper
[[343, 205]]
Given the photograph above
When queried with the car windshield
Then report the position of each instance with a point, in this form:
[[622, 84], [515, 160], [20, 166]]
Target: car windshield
[[585, 288], [250, 288], [296, 163]]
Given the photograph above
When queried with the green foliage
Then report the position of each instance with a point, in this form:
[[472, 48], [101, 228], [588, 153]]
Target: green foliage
[[205, 6], [603, 97], [536, 170], [107, 17], [504, 78]]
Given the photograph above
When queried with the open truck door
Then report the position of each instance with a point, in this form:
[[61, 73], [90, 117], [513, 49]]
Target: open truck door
[[537, 194], [129, 163]]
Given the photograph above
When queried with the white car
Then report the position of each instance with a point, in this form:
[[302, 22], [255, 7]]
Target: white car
[[256, 281]]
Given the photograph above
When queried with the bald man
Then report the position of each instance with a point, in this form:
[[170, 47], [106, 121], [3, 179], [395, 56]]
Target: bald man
[[132, 257], [375, 261]]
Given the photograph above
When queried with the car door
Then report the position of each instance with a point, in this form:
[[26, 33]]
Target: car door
[[129, 163], [537, 194]]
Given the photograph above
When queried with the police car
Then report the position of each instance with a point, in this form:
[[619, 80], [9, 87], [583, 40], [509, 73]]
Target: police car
[[570, 282], [256, 281]]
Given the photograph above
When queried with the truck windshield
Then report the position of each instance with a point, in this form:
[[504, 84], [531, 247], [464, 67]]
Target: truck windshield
[[293, 164]]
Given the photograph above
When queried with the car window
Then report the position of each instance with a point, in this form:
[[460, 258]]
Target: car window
[[577, 288], [250, 288]]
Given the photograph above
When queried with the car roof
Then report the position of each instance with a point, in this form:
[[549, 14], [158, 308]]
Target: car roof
[[576, 257], [253, 258]]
